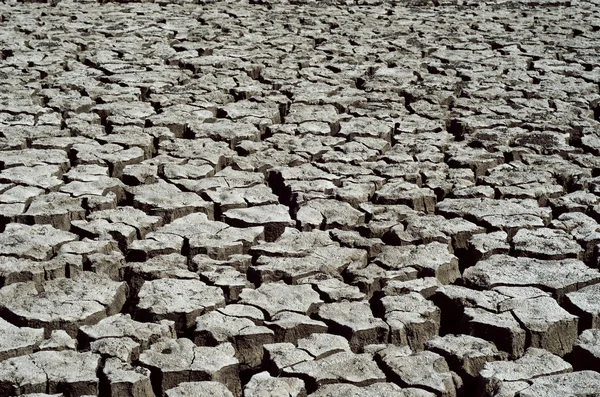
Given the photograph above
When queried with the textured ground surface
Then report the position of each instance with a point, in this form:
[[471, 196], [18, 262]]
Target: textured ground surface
[[300, 198]]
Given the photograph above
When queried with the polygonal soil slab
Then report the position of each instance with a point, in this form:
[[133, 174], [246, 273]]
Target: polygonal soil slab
[[265, 385], [354, 321], [345, 367], [583, 383], [17, 341], [173, 361], [206, 388], [123, 326], [273, 298], [215, 327], [169, 202], [66, 371], [126, 380], [413, 320], [178, 300], [503, 376], [585, 304], [374, 390], [586, 350], [65, 303], [556, 276], [432, 260], [426, 370], [274, 217], [37, 242], [508, 215], [17, 270]]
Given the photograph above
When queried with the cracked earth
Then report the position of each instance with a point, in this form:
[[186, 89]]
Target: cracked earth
[[291, 198]]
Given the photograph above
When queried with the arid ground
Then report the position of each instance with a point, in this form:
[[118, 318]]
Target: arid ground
[[274, 198]]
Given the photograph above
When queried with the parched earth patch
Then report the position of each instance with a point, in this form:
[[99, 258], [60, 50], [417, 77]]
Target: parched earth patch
[[251, 198]]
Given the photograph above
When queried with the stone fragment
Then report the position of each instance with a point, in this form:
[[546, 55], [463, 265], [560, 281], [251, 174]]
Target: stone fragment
[[94, 189], [34, 157], [190, 170], [19, 194], [584, 229], [372, 278], [155, 244], [130, 216], [430, 228], [227, 131], [333, 289], [177, 118], [482, 246], [112, 155], [478, 160], [481, 314], [353, 239], [163, 266], [294, 243], [328, 214], [225, 242], [578, 201], [324, 260], [47, 177], [103, 229], [229, 275], [300, 113], [226, 198], [217, 154], [140, 174]]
